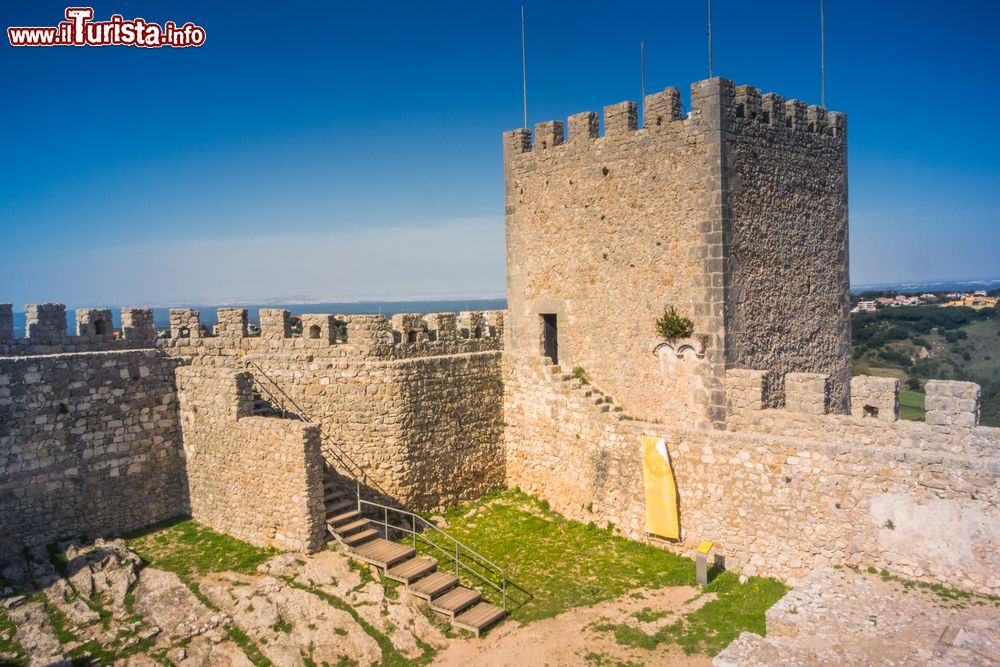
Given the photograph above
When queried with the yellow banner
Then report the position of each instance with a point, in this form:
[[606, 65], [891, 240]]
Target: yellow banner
[[661, 490]]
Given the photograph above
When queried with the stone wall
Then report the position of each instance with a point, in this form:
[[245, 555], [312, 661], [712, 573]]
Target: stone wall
[[89, 444], [736, 214], [779, 492], [256, 478], [603, 232], [416, 403], [787, 301]]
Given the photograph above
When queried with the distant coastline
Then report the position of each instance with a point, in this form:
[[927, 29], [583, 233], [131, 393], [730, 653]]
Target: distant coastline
[[917, 286]]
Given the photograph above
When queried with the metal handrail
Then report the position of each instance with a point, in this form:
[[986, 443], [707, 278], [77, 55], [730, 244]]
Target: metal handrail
[[352, 467], [356, 471], [414, 518]]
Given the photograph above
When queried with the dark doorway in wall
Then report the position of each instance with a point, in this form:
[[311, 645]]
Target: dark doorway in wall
[[550, 337]]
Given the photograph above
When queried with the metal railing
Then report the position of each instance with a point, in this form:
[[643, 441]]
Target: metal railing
[[454, 550], [281, 400]]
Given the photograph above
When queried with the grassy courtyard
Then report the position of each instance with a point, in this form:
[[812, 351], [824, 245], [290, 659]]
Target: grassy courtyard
[[557, 565]]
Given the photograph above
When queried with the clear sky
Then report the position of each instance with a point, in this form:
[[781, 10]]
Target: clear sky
[[331, 150]]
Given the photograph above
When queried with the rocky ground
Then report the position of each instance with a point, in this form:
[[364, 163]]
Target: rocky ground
[[95, 604], [576, 637], [845, 617], [99, 603]]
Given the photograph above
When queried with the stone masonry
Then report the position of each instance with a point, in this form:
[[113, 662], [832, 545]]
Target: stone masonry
[[416, 402], [256, 478], [89, 444], [734, 213]]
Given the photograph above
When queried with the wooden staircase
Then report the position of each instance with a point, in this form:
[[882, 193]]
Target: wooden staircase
[[363, 540]]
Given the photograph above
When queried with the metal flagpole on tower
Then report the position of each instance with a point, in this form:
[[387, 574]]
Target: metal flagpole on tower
[[642, 60], [709, 39], [524, 70], [822, 57]]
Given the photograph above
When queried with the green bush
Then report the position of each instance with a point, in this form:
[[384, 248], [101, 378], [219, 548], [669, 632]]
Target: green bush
[[672, 326]]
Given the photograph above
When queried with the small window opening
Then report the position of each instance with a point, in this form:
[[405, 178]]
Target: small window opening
[[100, 328], [477, 332], [183, 332], [411, 336], [870, 411], [739, 111], [314, 331], [550, 337]]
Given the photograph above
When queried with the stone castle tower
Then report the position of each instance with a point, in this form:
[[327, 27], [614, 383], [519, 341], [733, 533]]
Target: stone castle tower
[[735, 213]]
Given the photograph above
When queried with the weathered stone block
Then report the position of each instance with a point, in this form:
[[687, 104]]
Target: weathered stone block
[[875, 397], [807, 393], [232, 322], [94, 323], [45, 322], [137, 324]]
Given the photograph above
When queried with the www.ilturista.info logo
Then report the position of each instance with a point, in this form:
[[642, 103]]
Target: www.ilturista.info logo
[[79, 29]]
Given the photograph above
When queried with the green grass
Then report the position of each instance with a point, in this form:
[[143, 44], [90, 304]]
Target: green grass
[[11, 652], [557, 564], [187, 548], [916, 344], [390, 656], [911, 405], [649, 615], [737, 608], [944, 593]]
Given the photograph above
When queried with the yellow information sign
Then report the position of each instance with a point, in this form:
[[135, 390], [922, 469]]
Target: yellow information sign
[[661, 490], [704, 547]]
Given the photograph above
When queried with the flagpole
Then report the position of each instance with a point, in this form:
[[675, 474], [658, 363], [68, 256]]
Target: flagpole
[[822, 57], [642, 59], [709, 39], [524, 69]]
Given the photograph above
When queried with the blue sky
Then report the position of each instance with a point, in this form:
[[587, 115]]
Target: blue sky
[[335, 150]]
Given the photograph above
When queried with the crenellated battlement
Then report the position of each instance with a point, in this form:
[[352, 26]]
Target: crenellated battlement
[[951, 421], [948, 402], [46, 330], [712, 100], [375, 336]]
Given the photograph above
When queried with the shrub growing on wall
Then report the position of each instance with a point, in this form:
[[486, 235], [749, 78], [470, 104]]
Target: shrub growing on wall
[[672, 326]]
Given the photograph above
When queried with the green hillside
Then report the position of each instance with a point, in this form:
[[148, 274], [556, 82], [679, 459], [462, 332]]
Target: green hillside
[[920, 343]]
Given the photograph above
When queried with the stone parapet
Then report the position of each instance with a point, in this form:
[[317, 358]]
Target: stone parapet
[[808, 393], [875, 397], [951, 403]]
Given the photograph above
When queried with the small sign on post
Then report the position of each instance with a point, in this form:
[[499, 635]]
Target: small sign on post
[[701, 563]]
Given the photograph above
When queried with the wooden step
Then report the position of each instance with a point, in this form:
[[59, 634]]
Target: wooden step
[[411, 570], [340, 506], [359, 538], [455, 601], [479, 617], [432, 585], [334, 493], [382, 552], [352, 527], [343, 518]]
